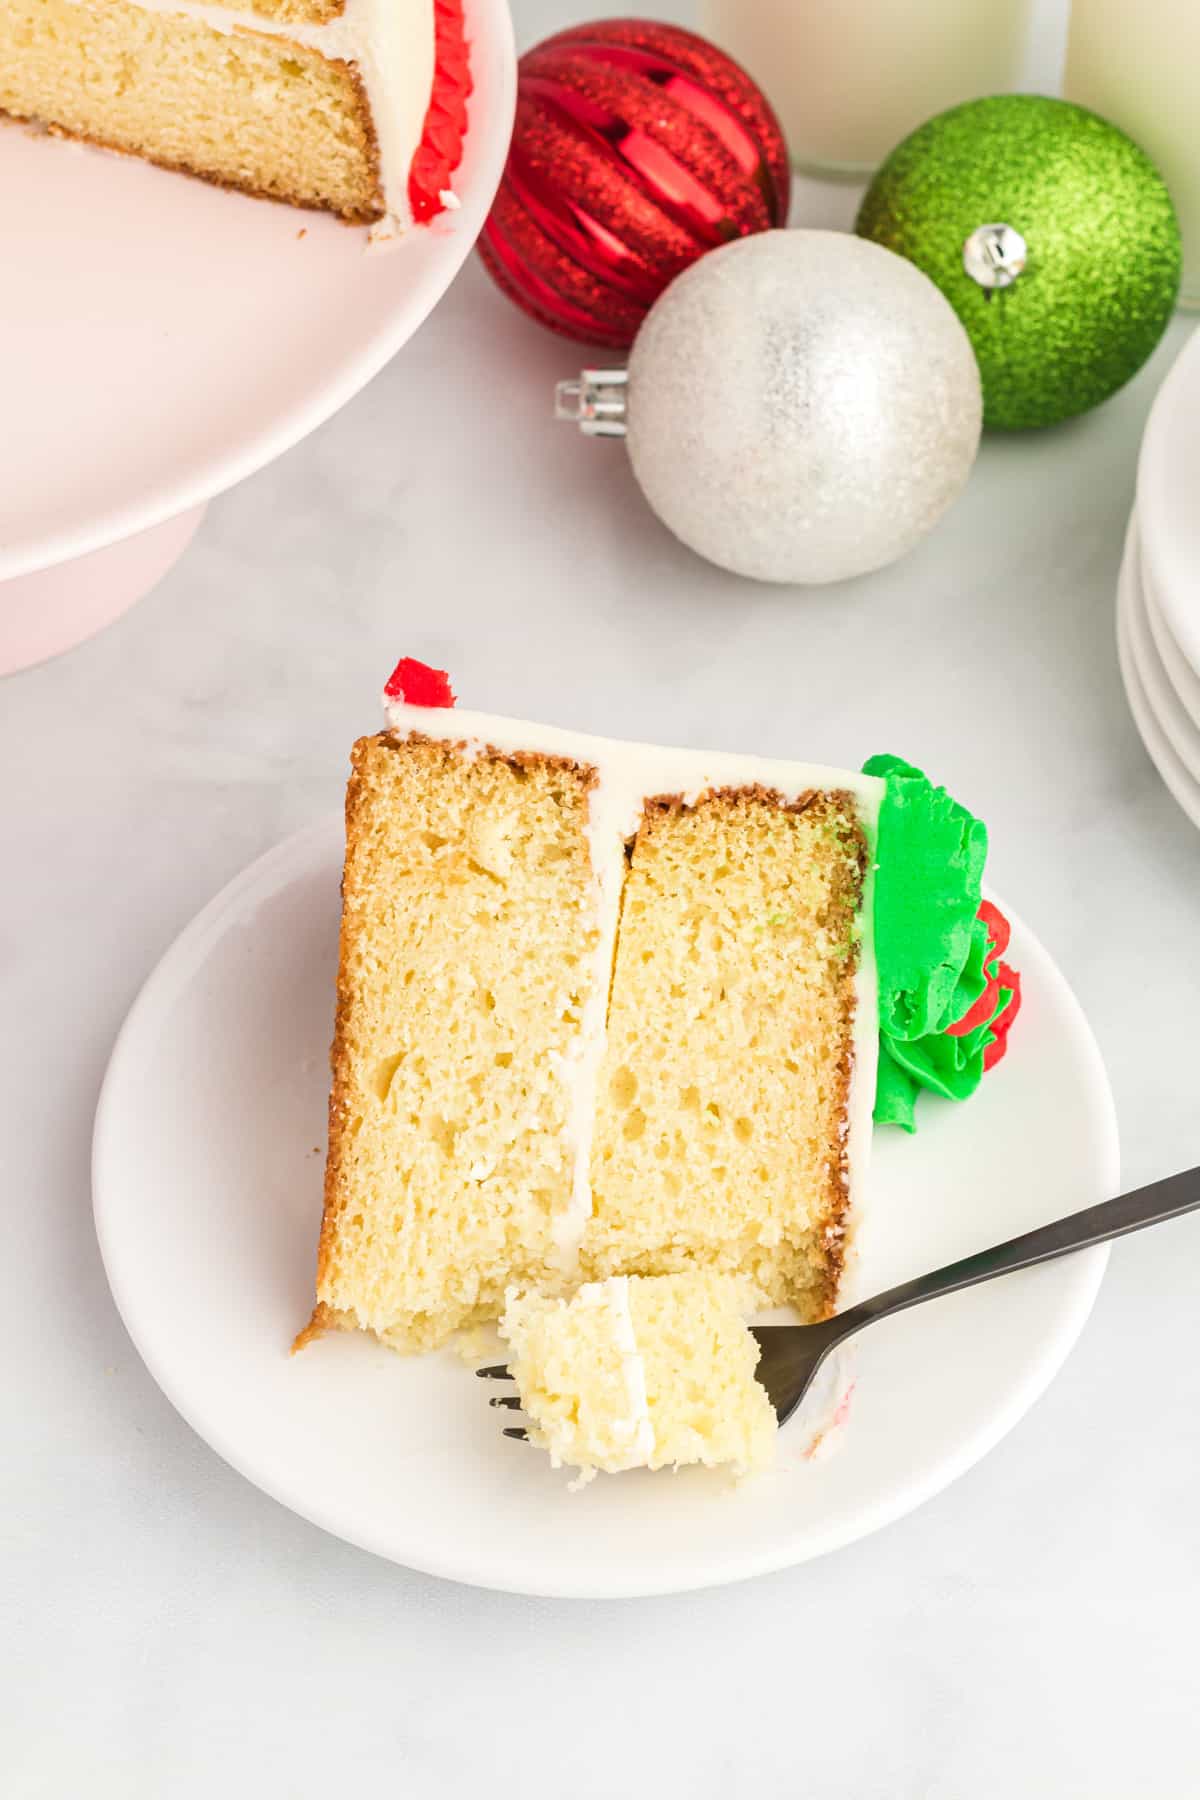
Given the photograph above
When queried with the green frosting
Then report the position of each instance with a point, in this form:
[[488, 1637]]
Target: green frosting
[[930, 859], [930, 945], [975, 975], [951, 1066]]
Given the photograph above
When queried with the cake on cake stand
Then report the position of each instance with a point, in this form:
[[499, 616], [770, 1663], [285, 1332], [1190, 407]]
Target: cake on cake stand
[[162, 339]]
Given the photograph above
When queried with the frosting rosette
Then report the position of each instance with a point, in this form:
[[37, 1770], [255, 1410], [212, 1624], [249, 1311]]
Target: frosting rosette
[[946, 1000]]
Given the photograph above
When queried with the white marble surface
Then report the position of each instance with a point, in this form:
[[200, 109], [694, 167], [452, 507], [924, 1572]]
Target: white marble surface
[[172, 1632]]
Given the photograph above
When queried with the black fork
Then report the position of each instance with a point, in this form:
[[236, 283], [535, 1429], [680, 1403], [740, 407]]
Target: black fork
[[792, 1354]]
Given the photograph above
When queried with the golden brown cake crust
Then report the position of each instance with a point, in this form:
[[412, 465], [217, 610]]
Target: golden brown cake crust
[[297, 12], [764, 796], [516, 759], [335, 1193], [326, 1318], [833, 1225], [323, 1319]]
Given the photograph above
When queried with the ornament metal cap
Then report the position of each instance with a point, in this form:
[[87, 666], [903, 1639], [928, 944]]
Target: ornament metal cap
[[994, 256], [595, 401]]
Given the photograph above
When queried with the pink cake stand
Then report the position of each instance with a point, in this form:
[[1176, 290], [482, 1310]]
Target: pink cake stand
[[160, 339]]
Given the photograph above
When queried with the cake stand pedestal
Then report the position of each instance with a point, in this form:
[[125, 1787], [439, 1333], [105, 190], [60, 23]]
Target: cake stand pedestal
[[54, 609]]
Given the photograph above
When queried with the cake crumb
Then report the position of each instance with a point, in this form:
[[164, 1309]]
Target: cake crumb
[[473, 1344]]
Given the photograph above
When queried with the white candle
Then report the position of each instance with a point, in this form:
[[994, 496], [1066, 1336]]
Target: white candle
[[851, 78], [1139, 65]]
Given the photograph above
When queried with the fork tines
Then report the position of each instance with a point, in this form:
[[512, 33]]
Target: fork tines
[[502, 1372]]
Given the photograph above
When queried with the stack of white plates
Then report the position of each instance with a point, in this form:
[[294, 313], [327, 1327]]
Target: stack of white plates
[[1158, 595]]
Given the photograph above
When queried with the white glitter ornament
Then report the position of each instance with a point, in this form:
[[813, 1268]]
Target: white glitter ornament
[[799, 406]]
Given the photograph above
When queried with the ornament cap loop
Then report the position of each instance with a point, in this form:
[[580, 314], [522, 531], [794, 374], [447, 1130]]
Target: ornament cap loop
[[595, 401], [994, 256]]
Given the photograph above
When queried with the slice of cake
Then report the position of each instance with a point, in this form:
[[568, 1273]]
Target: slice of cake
[[357, 107], [605, 1058], [641, 1372], [603, 1009]]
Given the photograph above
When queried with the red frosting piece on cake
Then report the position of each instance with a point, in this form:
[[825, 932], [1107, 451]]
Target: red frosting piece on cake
[[440, 150], [999, 932], [999, 929], [1009, 978], [419, 685], [981, 1012]]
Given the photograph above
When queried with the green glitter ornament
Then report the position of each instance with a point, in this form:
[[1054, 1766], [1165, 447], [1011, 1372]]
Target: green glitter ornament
[[1052, 236]]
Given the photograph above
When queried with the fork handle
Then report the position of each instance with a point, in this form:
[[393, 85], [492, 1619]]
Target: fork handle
[[1167, 1199]]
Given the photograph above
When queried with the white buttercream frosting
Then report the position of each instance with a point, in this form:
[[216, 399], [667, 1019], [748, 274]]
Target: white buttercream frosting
[[391, 46], [627, 774], [635, 1427]]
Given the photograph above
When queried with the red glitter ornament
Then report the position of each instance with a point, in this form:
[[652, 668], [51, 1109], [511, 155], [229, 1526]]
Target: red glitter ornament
[[637, 148], [418, 685]]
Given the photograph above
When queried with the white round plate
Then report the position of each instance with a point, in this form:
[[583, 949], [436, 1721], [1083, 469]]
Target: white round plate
[[1177, 727], [1130, 631], [1167, 484], [173, 338], [1180, 674], [207, 1181]]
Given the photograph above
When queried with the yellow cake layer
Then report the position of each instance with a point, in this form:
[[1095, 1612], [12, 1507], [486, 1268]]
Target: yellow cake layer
[[726, 1072], [651, 1372], [467, 946], [258, 113]]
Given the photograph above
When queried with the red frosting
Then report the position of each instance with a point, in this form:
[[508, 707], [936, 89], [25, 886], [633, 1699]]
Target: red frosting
[[1010, 979], [440, 150], [419, 685], [999, 929], [999, 975]]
